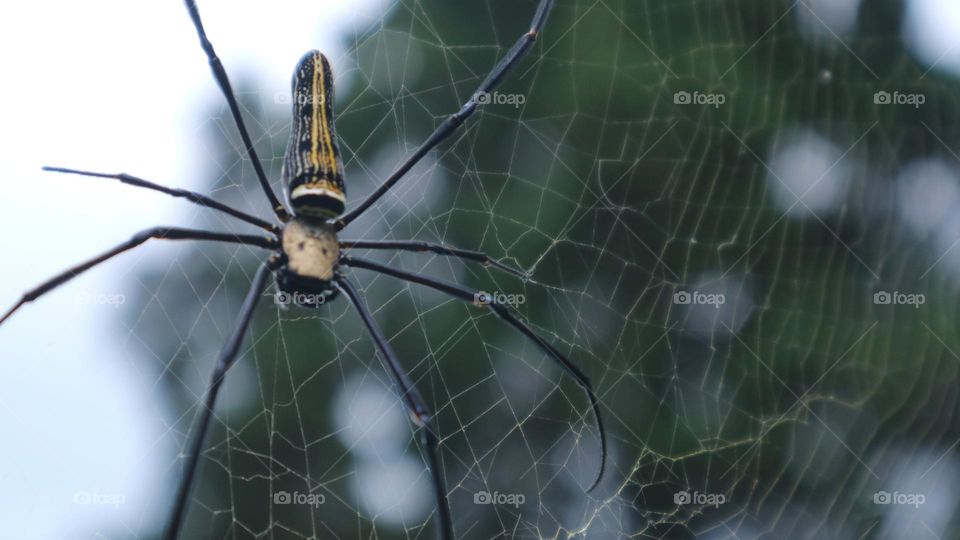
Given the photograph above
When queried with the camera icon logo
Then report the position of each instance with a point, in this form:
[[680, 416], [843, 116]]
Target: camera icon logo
[[682, 497], [881, 298], [482, 298], [282, 497], [881, 497], [882, 98], [482, 497], [681, 298], [483, 98], [682, 98]]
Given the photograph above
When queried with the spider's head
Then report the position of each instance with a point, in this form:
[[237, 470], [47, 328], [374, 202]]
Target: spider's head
[[310, 251]]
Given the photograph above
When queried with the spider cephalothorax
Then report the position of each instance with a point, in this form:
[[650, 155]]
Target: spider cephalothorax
[[307, 252], [307, 262]]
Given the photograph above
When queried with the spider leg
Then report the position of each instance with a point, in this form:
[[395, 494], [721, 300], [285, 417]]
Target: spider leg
[[163, 233], [227, 357], [191, 196], [439, 249], [414, 401], [501, 311], [220, 74], [454, 121]]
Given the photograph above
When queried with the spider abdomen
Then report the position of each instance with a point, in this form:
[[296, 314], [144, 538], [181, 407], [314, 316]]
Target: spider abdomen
[[312, 171]]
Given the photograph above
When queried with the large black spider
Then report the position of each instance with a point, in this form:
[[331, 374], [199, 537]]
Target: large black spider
[[306, 251]]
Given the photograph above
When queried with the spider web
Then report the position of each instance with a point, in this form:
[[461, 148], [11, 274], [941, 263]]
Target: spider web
[[780, 411]]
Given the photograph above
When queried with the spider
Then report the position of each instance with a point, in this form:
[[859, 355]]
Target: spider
[[306, 254]]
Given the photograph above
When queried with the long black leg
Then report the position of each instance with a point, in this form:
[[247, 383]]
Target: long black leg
[[439, 249], [474, 297], [165, 233], [223, 81], [455, 120], [414, 401], [227, 356], [191, 196]]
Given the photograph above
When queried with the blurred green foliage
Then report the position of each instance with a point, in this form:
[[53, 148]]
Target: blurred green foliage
[[615, 198]]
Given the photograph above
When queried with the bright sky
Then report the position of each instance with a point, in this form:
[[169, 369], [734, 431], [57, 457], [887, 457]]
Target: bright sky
[[120, 86]]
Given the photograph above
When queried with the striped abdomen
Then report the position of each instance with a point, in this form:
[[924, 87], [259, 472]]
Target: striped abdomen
[[312, 171]]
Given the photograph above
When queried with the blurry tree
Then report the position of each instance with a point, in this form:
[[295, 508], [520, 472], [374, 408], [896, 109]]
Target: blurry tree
[[796, 400]]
